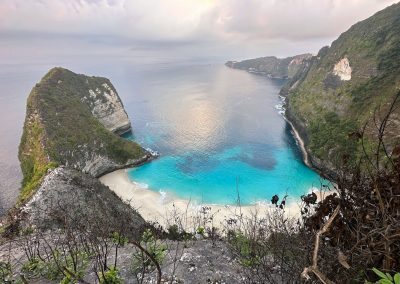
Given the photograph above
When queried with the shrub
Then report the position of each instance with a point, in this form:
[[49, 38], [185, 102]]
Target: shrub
[[156, 250], [5, 272], [385, 278], [110, 276]]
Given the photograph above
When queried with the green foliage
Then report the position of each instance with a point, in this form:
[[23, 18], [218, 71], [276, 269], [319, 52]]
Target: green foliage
[[77, 266], [5, 272], [36, 267], [385, 278], [328, 108], [246, 248], [200, 230], [50, 269], [32, 267], [270, 65], [332, 133], [34, 163], [118, 239], [175, 233], [30, 185], [156, 250], [60, 128], [110, 276], [27, 231]]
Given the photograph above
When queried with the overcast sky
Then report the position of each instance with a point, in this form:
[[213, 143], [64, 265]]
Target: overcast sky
[[243, 28]]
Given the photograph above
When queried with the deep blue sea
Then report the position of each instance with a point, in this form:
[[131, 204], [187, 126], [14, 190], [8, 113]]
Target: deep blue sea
[[219, 132]]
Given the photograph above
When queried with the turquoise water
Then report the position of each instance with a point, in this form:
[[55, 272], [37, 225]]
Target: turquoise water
[[219, 133], [217, 129]]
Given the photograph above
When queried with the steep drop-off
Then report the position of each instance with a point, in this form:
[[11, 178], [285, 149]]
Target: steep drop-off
[[342, 93], [345, 86], [74, 120], [272, 66]]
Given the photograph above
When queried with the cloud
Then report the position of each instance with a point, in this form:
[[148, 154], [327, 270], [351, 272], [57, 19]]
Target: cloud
[[218, 22], [288, 19]]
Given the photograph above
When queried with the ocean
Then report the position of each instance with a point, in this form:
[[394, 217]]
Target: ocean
[[219, 131]]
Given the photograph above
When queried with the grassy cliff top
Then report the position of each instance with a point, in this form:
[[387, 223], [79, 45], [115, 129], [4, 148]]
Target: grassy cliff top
[[271, 65], [60, 129], [347, 82]]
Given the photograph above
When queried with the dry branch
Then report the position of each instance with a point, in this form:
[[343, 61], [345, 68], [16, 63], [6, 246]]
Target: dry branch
[[314, 267]]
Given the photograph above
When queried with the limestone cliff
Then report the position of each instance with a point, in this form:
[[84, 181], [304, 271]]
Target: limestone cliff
[[107, 107], [70, 121], [80, 196], [344, 87], [333, 95], [272, 66]]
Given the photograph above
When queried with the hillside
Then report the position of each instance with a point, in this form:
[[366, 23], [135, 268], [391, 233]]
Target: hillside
[[337, 94], [272, 66], [70, 121]]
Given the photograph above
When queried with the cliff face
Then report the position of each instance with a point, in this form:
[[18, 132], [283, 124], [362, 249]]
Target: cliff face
[[272, 66], [70, 121], [83, 198], [342, 87], [107, 107]]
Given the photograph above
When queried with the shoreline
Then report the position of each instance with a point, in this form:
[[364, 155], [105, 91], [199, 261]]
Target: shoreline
[[300, 142], [307, 159], [167, 210], [154, 207], [296, 136]]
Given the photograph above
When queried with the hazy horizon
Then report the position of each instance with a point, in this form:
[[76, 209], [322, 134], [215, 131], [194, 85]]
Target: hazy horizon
[[32, 31]]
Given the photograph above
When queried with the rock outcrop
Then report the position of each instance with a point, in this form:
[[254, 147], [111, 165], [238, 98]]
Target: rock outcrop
[[343, 69], [81, 197], [74, 120], [71, 137], [272, 66], [107, 107], [331, 96], [343, 87]]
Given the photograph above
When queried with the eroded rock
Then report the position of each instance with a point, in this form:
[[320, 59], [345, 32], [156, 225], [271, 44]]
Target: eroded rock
[[343, 69]]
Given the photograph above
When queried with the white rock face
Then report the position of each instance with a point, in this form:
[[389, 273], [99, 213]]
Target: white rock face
[[107, 107], [91, 159], [343, 69]]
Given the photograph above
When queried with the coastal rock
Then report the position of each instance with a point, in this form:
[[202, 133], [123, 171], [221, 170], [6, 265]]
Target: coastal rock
[[107, 107], [74, 120], [343, 69], [344, 88], [69, 139], [83, 198], [272, 66]]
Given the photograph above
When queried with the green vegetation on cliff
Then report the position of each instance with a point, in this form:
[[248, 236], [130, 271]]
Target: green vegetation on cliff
[[60, 129], [272, 66], [344, 85]]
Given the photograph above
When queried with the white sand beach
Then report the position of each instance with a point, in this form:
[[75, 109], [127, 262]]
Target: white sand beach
[[155, 207]]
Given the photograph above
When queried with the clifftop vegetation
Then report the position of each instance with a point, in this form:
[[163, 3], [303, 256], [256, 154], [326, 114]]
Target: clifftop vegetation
[[61, 129], [332, 100], [272, 66]]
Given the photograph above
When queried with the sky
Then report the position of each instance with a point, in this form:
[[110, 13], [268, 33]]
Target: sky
[[231, 28]]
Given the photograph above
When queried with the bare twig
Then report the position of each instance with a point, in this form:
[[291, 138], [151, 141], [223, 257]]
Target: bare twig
[[314, 267]]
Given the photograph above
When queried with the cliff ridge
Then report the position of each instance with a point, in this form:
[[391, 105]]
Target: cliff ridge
[[272, 66], [75, 121]]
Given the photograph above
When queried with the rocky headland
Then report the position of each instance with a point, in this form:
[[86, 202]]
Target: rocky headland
[[70, 138], [74, 121], [272, 66], [333, 98]]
